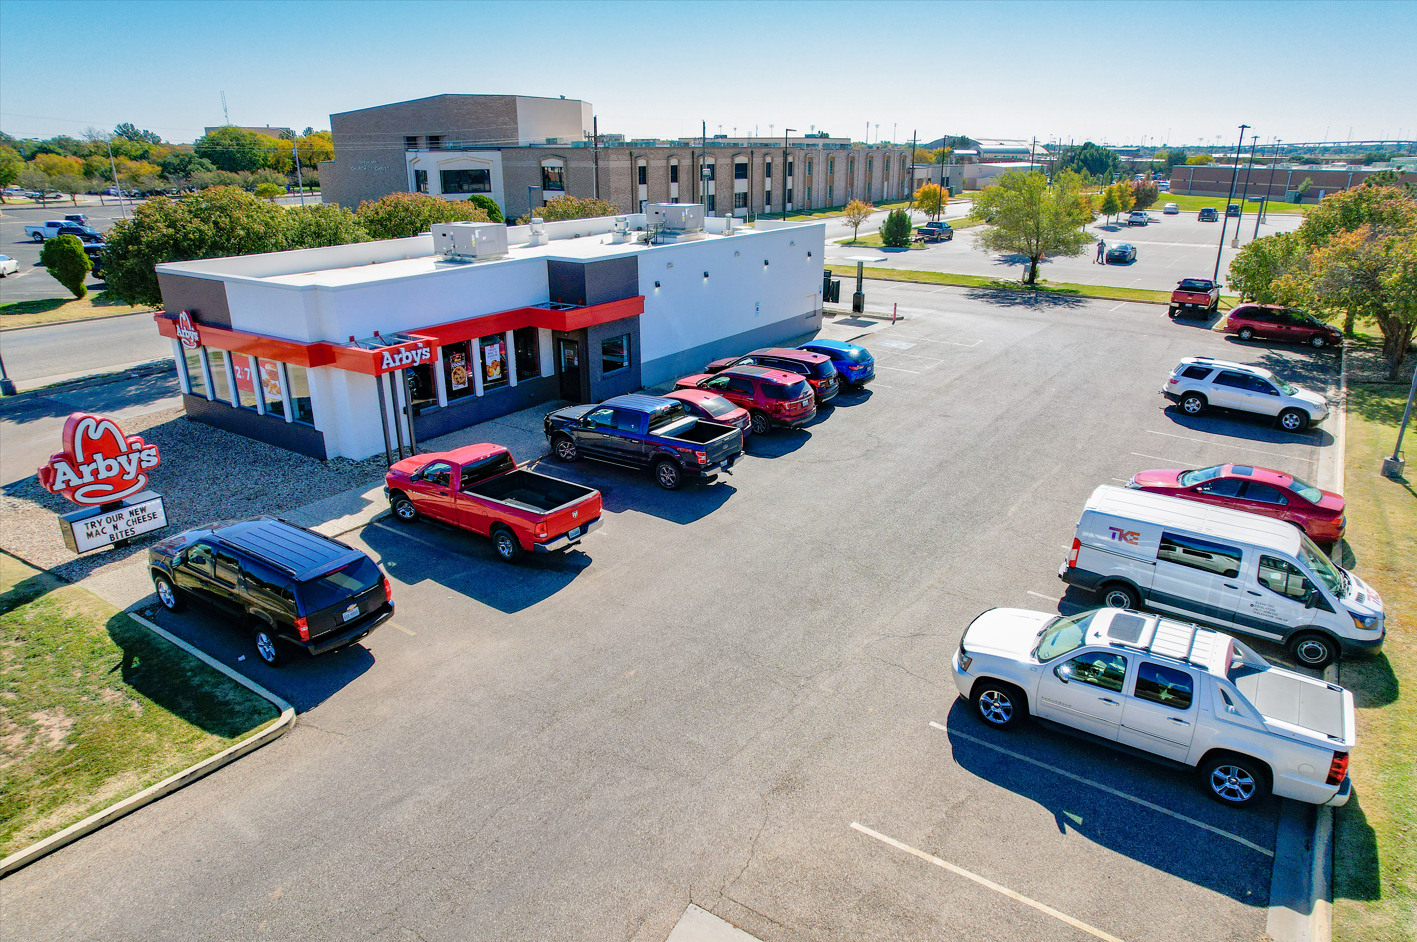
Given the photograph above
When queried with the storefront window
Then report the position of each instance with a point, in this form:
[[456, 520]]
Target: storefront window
[[221, 388], [269, 373], [245, 381], [299, 381], [528, 342], [421, 393], [192, 364], [457, 370], [467, 181], [494, 360], [614, 354]]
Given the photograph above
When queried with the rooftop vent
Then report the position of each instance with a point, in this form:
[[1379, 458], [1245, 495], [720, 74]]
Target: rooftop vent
[[470, 241], [675, 222]]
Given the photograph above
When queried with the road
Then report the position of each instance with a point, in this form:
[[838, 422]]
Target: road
[[1168, 249], [732, 695], [38, 356]]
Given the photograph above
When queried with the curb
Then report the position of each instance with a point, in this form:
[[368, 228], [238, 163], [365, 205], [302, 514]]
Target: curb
[[150, 368], [75, 320], [169, 785]]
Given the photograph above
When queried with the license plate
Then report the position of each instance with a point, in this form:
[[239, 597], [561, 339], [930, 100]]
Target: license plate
[[351, 613], [574, 533]]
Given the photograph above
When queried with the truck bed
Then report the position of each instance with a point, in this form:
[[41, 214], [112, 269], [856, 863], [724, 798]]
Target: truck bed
[[1291, 700], [528, 490], [701, 432]]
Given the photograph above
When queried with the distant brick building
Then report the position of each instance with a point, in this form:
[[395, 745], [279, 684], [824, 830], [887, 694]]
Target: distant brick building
[[1279, 183]]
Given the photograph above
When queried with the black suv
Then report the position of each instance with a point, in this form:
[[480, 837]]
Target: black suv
[[282, 582]]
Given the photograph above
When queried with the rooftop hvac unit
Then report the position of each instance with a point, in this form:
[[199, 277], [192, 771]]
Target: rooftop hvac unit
[[470, 241], [676, 217]]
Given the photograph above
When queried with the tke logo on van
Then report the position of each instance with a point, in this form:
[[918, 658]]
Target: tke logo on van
[[408, 356], [99, 464], [1125, 536], [186, 332]]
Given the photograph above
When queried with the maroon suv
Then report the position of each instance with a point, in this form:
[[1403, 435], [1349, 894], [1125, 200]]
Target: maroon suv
[[773, 398], [1279, 323], [817, 367]]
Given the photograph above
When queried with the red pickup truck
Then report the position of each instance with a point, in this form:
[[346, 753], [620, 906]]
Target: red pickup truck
[[480, 488], [1194, 294]]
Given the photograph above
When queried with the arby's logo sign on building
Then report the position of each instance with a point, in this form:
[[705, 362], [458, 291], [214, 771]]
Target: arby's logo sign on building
[[99, 464], [186, 332], [402, 357]]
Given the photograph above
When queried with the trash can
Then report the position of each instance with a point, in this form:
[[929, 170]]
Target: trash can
[[836, 290]]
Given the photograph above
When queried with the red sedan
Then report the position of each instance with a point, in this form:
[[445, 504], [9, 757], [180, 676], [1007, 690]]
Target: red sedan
[[1260, 491], [712, 406]]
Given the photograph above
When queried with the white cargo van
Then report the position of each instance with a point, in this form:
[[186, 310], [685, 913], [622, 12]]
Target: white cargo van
[[1237, 571]]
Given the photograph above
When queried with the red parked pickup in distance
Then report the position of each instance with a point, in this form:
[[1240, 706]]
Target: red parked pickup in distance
[[1194, 294], [818, 368], [480, 488], [1262, 491], [773, 398], [712, 406]]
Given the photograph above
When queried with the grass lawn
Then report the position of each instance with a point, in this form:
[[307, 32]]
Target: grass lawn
[[1375, 845], [94, 707], [1194, 204], [811, 214], [981, 281], [54, 310]]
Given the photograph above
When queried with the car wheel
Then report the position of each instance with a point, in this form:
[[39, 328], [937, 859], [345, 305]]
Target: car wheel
[[1313, 649], [403, 509], [761, 423], [1246, 333], [266, 649], [1120, 595], [667, 475], [1292, 420], [1318, 341], [564, 448], [38, 237], [504, 541], [168, 595], [1193, 404], [999, 705], [1171, 312], [1234, 780]]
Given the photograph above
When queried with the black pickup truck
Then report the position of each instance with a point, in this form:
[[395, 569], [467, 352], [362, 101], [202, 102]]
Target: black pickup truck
[[644, 432]]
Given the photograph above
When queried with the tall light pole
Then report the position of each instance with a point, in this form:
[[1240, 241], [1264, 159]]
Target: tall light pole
[[785, 132], [1234, 178], [116, 185], [299, 181], [1255, 139]]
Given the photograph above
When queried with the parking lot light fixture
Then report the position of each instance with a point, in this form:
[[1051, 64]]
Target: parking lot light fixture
[[1225, 220], [858, 300]]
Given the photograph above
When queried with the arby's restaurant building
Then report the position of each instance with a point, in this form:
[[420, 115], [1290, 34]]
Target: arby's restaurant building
[[350, 350]]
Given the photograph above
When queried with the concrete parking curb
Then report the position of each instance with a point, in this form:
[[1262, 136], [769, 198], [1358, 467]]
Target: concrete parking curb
[[152, 793], [150, 368]]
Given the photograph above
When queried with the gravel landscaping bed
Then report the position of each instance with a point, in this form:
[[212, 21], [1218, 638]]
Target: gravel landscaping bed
[[1367, 365], [206, 474]]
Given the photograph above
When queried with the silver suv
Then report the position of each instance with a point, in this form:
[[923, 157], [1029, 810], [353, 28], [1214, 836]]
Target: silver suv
[[1198, 383]]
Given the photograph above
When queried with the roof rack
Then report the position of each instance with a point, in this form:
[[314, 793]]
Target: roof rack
[[1178, 640]]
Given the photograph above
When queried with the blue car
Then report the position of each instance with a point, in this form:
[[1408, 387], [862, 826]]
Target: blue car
[[854, 364]]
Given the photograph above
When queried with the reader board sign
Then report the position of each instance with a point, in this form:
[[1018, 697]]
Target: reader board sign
[[95, 528]]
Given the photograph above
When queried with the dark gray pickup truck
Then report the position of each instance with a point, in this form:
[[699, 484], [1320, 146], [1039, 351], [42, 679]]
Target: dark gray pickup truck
[[644, 432]]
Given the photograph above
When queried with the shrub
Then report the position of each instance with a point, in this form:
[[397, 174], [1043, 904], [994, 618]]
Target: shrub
[[400, 215], [572, 207], [269, 191], [895, 231], [489, 206], [64, 258]]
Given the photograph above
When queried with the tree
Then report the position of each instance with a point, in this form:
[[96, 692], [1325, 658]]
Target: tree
[[233, 149], [1144, 193], [11, 164], [1032, 219], [895, 231], [571, 207], [70, 183], [489, 206], [55, 165], [32, 179], [1199, 160], [400, 215], [931, 199], [320, 225], [268, 191], [130, 133], [185, 164], [1174, 157], [64, 258], [204, 180], [1091, 160], [856, 213], [1259, 269], [214, 223], [315, 146], [1111, 206]]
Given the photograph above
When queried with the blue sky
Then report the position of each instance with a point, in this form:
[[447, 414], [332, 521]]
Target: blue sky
[[1113, 71]]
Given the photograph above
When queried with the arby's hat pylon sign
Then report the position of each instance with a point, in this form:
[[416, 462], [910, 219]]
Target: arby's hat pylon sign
[[99, 464]]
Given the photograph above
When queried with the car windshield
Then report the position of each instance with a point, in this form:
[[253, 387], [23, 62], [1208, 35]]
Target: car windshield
[[1191, 478], [666, 416], [1307, 491], [340, 585], [1062, 635], [1286, 388], [717, 406], [1193, 284], [1330, 575]]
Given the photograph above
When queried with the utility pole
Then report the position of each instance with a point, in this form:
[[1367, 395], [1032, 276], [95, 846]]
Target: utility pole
[[703, 164], [785, 132], [912, 168], [595, 153], [1255, 139], [114, 166], [1393, 467], [1234, 178], [299, 181]]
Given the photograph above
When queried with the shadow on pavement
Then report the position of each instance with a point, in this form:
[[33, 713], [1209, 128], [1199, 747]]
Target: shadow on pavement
[[628, 489], [122, 393], [779, 442], [1160, 842], [853, 397], [1024, 298], [1246, 426]]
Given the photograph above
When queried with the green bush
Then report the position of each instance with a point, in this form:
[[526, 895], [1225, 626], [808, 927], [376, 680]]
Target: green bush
[[400, 215], [489, 205], [65, 259], [268, 191], [895, 231]]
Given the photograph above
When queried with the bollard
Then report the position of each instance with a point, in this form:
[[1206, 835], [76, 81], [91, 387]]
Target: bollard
[[894, 307]]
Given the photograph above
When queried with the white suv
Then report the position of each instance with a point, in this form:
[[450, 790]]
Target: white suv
[[1201, 382]]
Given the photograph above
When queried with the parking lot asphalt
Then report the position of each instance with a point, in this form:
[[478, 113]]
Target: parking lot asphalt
[[736, 695], [1169, 248]]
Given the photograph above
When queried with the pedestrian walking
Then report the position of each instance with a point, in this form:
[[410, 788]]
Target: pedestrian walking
[[1101, 249]]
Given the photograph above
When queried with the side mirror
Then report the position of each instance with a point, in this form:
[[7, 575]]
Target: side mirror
[[1063, 672], [1312, 601], [180, 558]]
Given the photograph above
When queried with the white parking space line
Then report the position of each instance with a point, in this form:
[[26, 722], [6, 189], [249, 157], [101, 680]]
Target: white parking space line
[[401, 628], [1051, 598], [1207, 441], [896, 368], [1109, 790], [1121, 480], [409, 536], [986, 883], [1160, 458], [953, 343], [919, 357]]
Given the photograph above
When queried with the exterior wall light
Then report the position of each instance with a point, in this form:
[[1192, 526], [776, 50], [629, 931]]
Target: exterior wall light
[[706, 275], [809, 254], [656, 284], [765, 263]]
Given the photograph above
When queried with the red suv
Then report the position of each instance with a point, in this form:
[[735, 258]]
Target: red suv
[[1254, 490], [773, 398], [1270, 320], [817, 367]]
